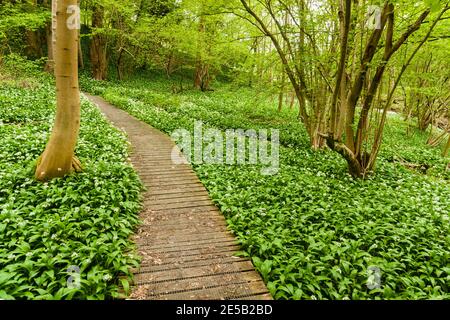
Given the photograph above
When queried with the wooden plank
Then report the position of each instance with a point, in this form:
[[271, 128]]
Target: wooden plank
[[168, 215], [179, 205], [173, 184], [187, 230], [184, 272], [172, 257], [165, 287], [190, 247], [168, 168], [169, 180], [151, 215], [175, 195], [262, 296], [189, 264], [223, 292], [155, 191], [185, 221], [166, 175], [193, 249], [166, 239], [202, 258], [200, 209]]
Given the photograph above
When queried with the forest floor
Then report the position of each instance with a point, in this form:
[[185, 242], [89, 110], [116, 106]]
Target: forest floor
[[311, 230]]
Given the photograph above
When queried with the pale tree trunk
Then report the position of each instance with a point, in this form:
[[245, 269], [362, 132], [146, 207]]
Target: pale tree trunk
[[58, 158]]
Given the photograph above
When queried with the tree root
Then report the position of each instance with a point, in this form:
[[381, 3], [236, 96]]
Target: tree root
[[76, 165], [47, 174]]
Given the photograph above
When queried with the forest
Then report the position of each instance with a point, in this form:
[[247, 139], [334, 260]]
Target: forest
[[224, 149]]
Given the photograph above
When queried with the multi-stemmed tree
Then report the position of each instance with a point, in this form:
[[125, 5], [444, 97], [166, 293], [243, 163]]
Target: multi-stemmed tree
[[59, 158], [337, 74]]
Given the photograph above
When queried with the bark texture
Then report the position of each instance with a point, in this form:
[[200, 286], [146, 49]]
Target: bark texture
[[51, 40], [98, 49]]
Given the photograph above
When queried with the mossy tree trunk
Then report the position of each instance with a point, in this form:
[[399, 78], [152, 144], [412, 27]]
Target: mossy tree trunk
[[58, 158]]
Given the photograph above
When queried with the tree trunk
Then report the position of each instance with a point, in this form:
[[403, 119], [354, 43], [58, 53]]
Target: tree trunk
[[98, 50], [34, 45], [119, 65], [51, 40], [201, 78], [50, 65], [338, 111], [282, 88], [58, 158], [361, 162], [80, 55], [292, 103]]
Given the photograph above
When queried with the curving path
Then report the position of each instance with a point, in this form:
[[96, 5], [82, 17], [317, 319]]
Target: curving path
[[187, 251]]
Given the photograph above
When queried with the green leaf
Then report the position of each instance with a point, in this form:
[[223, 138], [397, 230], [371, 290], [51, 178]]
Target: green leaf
[[125, 285], [265, 268]]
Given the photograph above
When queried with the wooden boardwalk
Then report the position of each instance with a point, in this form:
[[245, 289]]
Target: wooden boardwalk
[[187, 252]]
